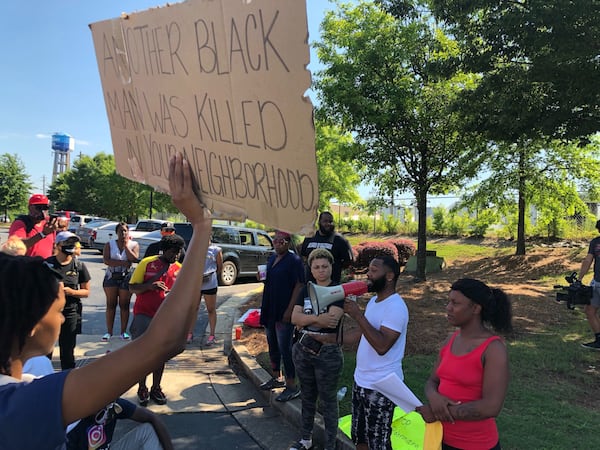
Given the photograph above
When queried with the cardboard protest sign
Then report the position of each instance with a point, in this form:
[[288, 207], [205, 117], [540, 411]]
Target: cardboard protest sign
[[223, 82]]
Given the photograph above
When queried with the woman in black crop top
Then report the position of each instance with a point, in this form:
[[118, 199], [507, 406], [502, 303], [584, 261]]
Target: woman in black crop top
[[317, 355]]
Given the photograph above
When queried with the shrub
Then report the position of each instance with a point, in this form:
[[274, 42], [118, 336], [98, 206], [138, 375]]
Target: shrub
[[391, 224], [364, 224], [366, 251], [439, 220], [405, 248]]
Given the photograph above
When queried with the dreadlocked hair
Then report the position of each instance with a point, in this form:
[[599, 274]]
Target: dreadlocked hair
[[28, 287]]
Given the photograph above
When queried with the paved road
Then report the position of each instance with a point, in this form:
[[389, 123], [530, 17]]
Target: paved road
[[210, 405], [94, 306]]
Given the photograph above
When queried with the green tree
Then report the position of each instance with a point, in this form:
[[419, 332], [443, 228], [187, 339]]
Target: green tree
[[14, 183], [93, 186], [548, 177], [539, 64], [386, 81], [338, 173]]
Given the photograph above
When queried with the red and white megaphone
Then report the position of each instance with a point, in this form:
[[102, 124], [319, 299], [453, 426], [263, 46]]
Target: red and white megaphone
[[323, 296]]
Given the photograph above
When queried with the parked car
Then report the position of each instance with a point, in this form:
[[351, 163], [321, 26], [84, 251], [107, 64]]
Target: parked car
[[145, 226], [102, 234], [78, 220], [243, 248], [86, 232]]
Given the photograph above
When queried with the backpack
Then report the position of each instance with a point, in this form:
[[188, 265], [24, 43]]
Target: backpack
[[28, 221]]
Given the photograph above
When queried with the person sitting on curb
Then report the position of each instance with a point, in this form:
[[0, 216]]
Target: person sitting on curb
[[97, 430]]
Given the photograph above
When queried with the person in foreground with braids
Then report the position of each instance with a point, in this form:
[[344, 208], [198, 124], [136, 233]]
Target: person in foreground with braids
[[34, 414], [468, 384]]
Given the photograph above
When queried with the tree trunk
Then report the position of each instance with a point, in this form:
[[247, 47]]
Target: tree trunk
[[521, 205], [421, 235]]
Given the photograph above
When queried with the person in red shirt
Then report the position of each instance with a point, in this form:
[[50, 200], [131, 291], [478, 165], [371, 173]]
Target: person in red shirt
[[468, 384], [151, 281], [36, 229]]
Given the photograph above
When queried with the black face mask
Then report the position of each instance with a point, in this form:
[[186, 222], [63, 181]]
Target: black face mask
[[68, 249], [377, 285]]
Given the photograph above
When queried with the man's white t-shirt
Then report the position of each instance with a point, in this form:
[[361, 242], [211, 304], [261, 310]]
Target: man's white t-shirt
[[391, 313]]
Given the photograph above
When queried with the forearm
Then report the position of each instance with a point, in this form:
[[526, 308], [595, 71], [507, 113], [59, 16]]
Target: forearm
[[31, 241], [374, 336], [78, 293], [585, 267], [162, 433], [167, 325], [472, 411]]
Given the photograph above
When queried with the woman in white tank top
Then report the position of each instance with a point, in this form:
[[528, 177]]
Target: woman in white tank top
[[119, 254]]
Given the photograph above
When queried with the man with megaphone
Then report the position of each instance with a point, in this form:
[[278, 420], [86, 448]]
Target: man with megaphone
[[382, 332]]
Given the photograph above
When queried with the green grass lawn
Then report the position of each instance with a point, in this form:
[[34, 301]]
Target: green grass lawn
[[554, 392]]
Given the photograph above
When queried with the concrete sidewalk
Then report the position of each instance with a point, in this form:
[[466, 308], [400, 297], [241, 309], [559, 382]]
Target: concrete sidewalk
[[221, 379]]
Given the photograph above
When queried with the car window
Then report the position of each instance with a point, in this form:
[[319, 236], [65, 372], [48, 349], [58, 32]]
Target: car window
[[75, 219], [225, 235], [185, 231], [88, 219], [246, 238], [264, 241]]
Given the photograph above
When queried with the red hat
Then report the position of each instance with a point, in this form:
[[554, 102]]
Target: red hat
[[38, 199], [283, 235]]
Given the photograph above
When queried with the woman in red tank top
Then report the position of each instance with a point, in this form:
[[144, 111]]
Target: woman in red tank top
[[468, 384]]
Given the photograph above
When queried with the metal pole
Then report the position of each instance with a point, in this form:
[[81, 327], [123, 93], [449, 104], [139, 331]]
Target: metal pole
[[151, 200]]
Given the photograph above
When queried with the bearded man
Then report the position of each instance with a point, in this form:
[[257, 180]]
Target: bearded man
[[326, 237]]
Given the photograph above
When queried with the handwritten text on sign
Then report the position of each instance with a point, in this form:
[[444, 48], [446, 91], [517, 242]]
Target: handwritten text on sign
[[223, 82]]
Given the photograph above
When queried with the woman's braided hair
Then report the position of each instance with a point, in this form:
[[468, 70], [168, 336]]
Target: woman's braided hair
[[28, 287]]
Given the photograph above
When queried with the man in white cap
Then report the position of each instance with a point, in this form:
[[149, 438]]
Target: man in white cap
[[76, 279], [35, 228]]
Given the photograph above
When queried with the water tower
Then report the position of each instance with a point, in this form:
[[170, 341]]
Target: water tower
[[62, 144]]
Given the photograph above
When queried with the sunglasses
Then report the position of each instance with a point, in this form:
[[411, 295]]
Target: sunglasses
[[280, 241], [41, 208]]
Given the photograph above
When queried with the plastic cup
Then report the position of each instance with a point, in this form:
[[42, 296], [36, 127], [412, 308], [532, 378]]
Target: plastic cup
[[262, 272], [238, 333]]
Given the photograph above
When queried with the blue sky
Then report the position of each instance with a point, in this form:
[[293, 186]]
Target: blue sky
[[50, 82]]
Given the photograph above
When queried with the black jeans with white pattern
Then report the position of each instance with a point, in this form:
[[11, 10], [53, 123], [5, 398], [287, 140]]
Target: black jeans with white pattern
[[319, 375]]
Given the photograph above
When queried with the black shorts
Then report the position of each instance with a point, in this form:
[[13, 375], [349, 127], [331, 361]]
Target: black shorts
[[212, 291]]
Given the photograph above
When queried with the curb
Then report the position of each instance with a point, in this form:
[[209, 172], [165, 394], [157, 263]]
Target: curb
[[291, 410]]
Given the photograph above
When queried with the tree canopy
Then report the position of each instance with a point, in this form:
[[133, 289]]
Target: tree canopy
[[94, 187], [338, 173], [386, 81], [539, 61], [14, 183]]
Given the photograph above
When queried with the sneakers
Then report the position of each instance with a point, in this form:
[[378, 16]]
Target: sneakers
[[595, 345], [211, 340], [143, 396], [125, 336], [273, 383], [288, 394], [158, 396], [106, 337], [302, 444]]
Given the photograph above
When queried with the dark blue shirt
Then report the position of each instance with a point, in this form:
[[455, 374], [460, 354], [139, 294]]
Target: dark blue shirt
[[279, 285]]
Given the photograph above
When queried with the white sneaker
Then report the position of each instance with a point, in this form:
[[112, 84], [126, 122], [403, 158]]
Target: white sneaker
[[302, 444], [106, 337]]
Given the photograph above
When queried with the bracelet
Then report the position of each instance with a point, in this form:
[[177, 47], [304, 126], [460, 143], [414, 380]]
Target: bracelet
[[42, 234]]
